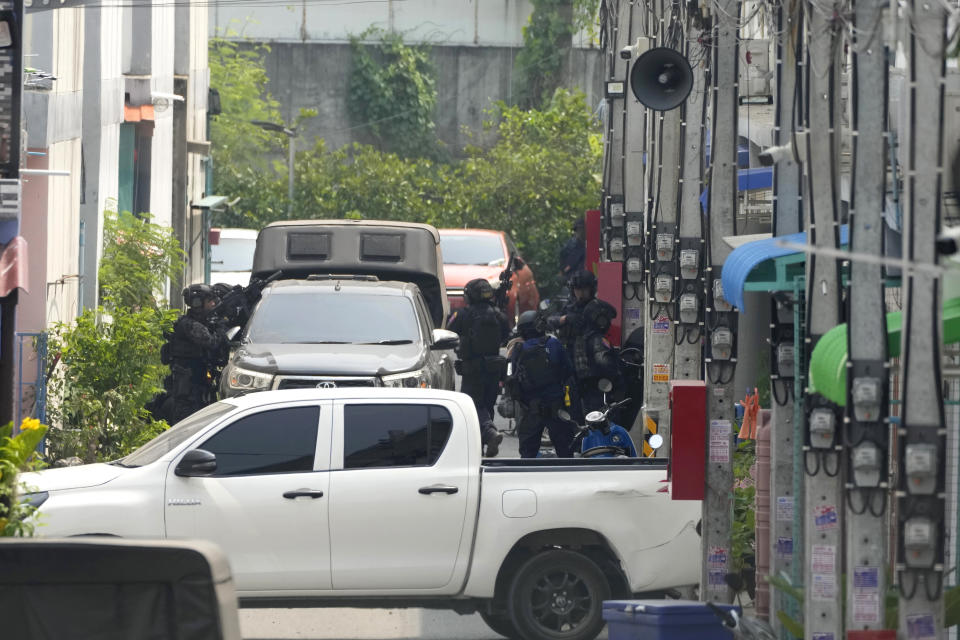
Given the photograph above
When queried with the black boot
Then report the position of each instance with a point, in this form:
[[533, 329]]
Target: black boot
[[492, 439]]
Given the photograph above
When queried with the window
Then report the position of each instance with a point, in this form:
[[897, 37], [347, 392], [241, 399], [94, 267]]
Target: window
[[232, 254], [482, 249], [394, 435], [175, 435], [278, 441]]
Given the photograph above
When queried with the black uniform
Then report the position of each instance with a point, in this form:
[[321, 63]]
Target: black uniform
[[482, 329], [574, 252]]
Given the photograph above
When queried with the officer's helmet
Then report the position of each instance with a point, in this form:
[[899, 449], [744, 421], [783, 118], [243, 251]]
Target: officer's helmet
[[196, 295], [221, 289], [478, 290], [583, 280], [528, 325]]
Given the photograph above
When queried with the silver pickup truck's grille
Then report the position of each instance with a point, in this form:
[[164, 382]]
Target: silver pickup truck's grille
[[323, 382]]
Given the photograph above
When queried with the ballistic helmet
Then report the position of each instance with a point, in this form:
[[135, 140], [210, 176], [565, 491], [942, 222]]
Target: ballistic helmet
[[221, 289], [528, 325], [478, 290], [583, 280], [197, 294]]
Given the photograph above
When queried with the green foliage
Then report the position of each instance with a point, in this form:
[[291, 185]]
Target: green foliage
[[237, 146], [743, 536], [533, 182], [138, 259], [393, 92], [547, 40], [16, 455]]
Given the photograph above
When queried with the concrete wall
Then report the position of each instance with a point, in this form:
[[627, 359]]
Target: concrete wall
[[469, 80], [497, 23]]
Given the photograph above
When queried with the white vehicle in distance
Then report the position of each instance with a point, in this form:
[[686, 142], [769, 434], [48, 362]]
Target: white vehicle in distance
[[378, 497], [231, 259]]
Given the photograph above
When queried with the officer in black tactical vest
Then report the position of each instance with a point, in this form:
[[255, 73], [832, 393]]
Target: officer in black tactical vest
[[537, 382], [581, 326], [193, 350], [482, 329]]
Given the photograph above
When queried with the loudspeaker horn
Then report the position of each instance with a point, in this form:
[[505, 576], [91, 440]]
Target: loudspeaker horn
[[661, 79]]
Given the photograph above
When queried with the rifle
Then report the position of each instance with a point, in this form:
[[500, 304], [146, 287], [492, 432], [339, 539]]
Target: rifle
[[234, 308], [506, 281]]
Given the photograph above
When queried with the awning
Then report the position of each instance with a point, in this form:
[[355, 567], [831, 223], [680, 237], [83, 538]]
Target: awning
[[138, 113], [13, 266], [745, 258]]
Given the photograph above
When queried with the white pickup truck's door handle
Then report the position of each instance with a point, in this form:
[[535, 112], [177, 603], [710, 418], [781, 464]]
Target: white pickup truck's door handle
[[313, 494], [439, 488]]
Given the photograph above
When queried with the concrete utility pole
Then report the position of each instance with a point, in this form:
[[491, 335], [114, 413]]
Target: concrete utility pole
[[688, 359], [823, 616], [920, 505], [661, 250], [787, 215], [721, 318], [866, 428]]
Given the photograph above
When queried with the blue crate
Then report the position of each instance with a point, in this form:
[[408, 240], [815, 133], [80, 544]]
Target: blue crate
[[664, 620]]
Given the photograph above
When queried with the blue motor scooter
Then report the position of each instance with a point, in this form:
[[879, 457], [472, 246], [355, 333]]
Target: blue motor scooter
[[600, 437]]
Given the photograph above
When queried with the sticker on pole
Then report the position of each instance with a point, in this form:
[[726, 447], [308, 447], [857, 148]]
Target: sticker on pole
[[661, 373], [633, 314], [720, 431], [784, 548], [920, 627], [784, 508], [715, 578], [824, 558], [866, 595], [661, 325], [824, 587], [825, 517], [717, 558], [822, 636]]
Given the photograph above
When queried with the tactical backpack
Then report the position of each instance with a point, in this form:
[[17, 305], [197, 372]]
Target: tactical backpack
[[534, 369], [484, 333]]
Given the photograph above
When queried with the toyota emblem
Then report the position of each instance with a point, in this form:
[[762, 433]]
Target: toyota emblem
[[327, 384]]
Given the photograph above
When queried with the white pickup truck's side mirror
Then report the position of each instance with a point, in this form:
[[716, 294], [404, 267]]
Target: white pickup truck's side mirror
[[444, 339], [196, 462]]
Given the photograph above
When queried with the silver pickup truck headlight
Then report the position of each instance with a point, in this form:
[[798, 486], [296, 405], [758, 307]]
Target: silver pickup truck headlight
[[409, 379], [247, 380]]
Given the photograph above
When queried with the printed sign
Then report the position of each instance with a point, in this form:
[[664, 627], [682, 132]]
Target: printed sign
[[822, 636], [661, 325], [824, 558], [720, 431], [784, 547], [866, 595], [824, 587], [920, 627], [715, 578], [784, 508], [825, 517], [661, 373], [633, 314], [717, 558]]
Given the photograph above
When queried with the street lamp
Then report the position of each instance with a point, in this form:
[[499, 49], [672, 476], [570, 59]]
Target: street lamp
[[291, 133]]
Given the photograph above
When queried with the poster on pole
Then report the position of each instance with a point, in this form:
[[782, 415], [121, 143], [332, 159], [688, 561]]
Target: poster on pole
[[720, 432]]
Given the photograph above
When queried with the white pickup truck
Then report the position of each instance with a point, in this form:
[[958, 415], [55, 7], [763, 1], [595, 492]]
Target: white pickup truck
[[379, 498]]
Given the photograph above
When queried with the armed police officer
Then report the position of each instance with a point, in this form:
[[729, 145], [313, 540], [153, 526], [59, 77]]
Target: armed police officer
[[540, 368], [194, 351], [482, 329], [581, 326]]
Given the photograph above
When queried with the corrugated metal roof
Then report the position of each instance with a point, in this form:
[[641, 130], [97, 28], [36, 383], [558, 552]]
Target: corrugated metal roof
[[745, 258]]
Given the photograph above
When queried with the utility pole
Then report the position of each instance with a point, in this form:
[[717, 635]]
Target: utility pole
[[721, 317], [787, 206], [661, 250], [823, 616], [865, 424], [922, 438], [690, 257]]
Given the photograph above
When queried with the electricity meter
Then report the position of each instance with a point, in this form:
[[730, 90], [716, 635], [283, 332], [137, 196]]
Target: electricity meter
[[689, 308], [919, 543], [689, 264], [617, 215], [920, 464], [823, 424], [634, 233], [866, 399], [785, 360], [866, 461], [616, 250], [719, 302], [664, 247], [634, 270], [663, 288], [721, 342]]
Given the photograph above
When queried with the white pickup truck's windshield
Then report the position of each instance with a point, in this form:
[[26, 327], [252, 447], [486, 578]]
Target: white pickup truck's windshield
[[472, 249], [328, 317], [175, 435]]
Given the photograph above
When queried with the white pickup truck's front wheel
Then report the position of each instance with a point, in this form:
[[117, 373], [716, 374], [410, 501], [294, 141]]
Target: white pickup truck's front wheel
[[558, 595]]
